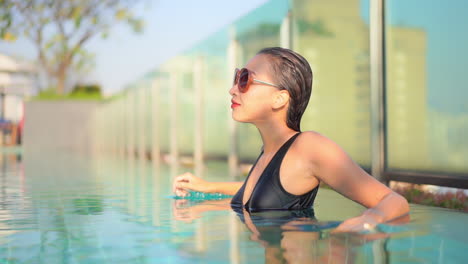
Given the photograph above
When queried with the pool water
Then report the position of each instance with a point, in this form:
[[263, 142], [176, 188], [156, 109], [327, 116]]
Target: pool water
[[61, 208]]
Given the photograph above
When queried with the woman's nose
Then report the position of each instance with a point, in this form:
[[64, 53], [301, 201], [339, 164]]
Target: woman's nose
[[233, 89]]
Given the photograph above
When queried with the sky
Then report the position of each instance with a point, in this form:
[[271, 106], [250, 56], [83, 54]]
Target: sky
[[171, 26]]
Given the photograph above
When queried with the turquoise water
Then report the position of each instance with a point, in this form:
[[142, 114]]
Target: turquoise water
[[66, 209]]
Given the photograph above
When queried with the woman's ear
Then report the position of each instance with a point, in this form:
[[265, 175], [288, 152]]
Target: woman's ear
[[281, 99]]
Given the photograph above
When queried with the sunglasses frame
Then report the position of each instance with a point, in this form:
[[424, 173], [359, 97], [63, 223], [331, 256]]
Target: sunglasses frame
[[250, 80]]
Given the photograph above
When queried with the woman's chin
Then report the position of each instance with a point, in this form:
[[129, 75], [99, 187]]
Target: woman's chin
[[234, 116], [237, 118]]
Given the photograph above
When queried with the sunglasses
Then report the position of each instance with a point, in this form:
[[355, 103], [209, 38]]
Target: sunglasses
[[244, 78]]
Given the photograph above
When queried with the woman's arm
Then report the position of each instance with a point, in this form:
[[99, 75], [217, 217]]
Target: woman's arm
[[188, 181], [334, 167]]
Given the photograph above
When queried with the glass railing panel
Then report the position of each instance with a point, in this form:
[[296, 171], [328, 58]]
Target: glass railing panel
[[333, 35], [426, 62]]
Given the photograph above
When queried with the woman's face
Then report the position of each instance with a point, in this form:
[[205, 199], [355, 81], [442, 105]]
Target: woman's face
[[255, 104]]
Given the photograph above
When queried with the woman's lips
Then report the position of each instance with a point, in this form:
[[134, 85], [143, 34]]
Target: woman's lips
[[234, 104]]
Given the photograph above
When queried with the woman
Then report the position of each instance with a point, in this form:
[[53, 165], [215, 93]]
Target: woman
[[272, 92]]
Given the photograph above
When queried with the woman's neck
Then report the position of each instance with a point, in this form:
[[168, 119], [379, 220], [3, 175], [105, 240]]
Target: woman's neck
[[273, 137]]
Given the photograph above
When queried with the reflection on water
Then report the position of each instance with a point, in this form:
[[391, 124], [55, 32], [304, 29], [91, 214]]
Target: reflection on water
[[65, 209]]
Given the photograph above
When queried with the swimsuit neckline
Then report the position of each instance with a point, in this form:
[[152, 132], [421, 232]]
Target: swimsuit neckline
[[263, 172]]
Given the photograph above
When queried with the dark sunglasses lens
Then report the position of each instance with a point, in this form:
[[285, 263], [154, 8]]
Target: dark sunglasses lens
[[243, 80]]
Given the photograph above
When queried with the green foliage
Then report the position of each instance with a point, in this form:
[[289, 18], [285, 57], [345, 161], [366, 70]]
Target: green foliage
[[5, 21], [89, 92], [87, 89], [60, 30]]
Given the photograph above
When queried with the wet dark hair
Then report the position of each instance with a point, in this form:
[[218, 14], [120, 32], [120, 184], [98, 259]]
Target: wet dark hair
[[292, 73]]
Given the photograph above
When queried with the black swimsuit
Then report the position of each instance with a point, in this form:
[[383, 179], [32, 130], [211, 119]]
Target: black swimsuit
[[268, 193]]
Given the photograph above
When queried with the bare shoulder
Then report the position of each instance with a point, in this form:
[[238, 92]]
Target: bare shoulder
[[302, 152], [320, 151], [310, 137], [313, 143]]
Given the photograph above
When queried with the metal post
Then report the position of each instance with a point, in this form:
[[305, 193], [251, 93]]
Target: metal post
[[141, 122], [233, 53], [174, 76], [130, 125], [122, 130], [98, 138], [96, 127], [115, 125], [377, 74], [2, 113], [198, 87], [135, 127], [285, 32], [2, 102], [233, 159], [155, 148], [173, 123]]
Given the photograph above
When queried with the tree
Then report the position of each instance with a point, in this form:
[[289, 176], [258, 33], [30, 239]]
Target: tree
[[59, 29]]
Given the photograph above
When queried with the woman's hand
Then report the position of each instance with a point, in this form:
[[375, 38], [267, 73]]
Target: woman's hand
[[357, 224], [187, 181], [369, 220]]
